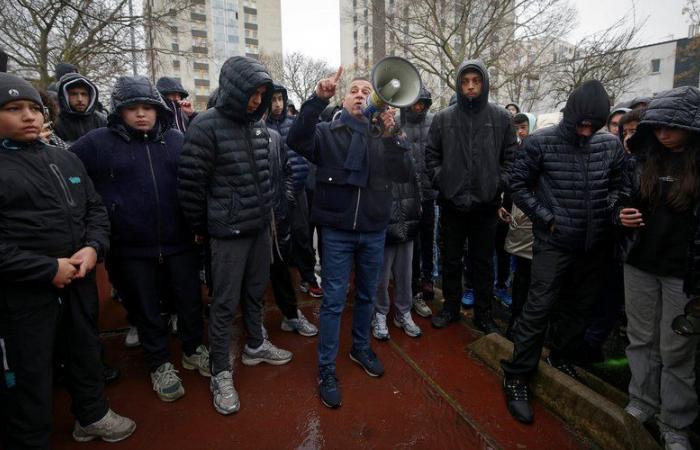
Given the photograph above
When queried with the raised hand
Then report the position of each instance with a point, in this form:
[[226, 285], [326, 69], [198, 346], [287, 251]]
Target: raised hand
[[325, 89]]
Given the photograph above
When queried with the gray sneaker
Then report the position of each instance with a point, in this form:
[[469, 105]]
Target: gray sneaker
[[225, 396], [379, 329], [301, 325], [406, 322], [198, 360], [111, 428], [420, 307], [265, 353], [166, 383], [673, 438]]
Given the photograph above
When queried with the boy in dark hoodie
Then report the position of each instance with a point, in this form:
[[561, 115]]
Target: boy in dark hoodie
[[133, 164], [53, 229], [565, 179], [78, 98], [174, 96]]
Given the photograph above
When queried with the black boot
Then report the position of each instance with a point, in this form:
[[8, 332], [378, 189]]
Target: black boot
[[486, 324], [563, 366], [518, 398]]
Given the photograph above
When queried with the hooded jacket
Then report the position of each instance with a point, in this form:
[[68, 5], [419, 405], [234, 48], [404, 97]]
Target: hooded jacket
[[282, 124], [470, 148], [224, 171], [167, 85], [71, 125], [337, 203], [61, 69], [416, 127], [678, 108], [135, 172], [406, 209], [571, 182], [613, 112], [283, 193]]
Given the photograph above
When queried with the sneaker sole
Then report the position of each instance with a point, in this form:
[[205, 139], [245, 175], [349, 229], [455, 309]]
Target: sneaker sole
[[422, 314], [371, 374], [89, 438], [225, 412], [315, 295], [331, 406], [381, 338], [408, 333], [169, 398], [189, 366], [248, 361], [132, 345], [286, 327]]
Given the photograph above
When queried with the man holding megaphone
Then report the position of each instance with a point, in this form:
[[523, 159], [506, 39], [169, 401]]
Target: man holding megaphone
[[352, 204]]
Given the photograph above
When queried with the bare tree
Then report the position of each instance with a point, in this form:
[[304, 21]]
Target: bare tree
[[298, 72], [94, 35], [604, 56], [438, 35]]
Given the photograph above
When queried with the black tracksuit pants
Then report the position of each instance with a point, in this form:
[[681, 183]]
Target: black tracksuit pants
[[563, 290], [282, 286], [423, 247], [29, 318]]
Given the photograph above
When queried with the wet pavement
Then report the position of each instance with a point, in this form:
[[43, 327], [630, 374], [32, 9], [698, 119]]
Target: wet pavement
[[434, 395]]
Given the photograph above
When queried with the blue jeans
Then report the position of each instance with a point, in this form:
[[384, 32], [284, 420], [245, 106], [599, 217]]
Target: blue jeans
[[340, 250]]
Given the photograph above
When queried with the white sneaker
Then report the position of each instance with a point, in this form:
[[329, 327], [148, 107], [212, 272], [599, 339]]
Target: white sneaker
[[406, 322], [199, 360], [224, 394], [301, 325], [132, 338], [379, 329], [265, 353], [673, 438], [166, 383], [110, 428]]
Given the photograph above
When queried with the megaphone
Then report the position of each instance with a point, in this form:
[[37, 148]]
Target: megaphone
[[396, 82]]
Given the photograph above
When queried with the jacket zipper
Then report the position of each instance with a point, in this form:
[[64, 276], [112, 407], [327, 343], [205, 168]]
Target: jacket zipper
[[254, 168], [357, 208], [67, 196], [157, 195], [587, 198]]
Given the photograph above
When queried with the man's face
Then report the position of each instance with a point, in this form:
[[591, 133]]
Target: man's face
[[522, 130], [672, 138], [21, 121], [471, 84], [418, 107], [174, 96], [78, 98], [585, 129], [513, 110], [628, 131], [256, 99], [356, 97], [140, 116], [277, 104], [614, 126]]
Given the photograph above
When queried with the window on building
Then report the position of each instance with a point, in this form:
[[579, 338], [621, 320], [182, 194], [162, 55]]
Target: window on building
[[176, 65], [175, 47], [655, 65]]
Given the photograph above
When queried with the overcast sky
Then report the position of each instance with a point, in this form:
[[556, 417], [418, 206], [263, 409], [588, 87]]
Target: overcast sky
[[313, 26]]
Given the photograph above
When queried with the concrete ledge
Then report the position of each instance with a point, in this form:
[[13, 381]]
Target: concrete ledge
[[603, 421]]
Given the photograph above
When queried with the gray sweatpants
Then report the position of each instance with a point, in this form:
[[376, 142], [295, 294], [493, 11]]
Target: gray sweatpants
[[398, 261], [662, 363], [240, 267]]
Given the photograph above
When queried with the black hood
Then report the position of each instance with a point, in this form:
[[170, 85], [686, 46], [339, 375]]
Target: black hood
[[482, 100], [168, 85], [423, 96], [588, 102], [240, 77], [132, 90], [73, 79], [676, 108], [213, 97], [64, 68], [275, 89]]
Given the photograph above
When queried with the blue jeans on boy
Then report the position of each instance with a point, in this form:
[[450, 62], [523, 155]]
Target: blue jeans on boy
[[340, 250]]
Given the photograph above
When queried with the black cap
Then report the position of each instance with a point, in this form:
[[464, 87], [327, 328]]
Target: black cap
[[15, 88]]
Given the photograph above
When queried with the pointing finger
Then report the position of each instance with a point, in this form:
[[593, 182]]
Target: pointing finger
[[338, 74]]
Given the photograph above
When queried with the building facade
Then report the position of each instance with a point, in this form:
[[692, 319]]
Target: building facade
[[201, 38]]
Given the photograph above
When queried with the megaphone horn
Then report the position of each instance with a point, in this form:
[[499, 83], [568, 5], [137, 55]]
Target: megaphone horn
[[396, 82]]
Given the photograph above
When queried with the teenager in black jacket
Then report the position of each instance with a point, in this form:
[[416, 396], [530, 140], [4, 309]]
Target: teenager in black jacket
[[658, 208], [53, 229]]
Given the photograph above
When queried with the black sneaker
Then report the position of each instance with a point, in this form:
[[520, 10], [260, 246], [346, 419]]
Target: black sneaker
[[486, 324], [444, 318], [518, 399], [563, 366], [368, 360], [328, 389]]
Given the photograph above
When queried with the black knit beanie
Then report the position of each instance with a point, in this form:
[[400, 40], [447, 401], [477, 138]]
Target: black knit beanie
[[15, 88]]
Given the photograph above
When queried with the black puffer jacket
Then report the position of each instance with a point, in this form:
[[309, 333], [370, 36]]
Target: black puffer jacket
[[406, 211], [470, 148], [416, 126], [282, 124], [224, 171], [72, 125], [283, 193], [678, 108], [562, 179]]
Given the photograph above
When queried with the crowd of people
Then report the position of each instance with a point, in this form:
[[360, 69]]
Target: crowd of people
[[566, 225]]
